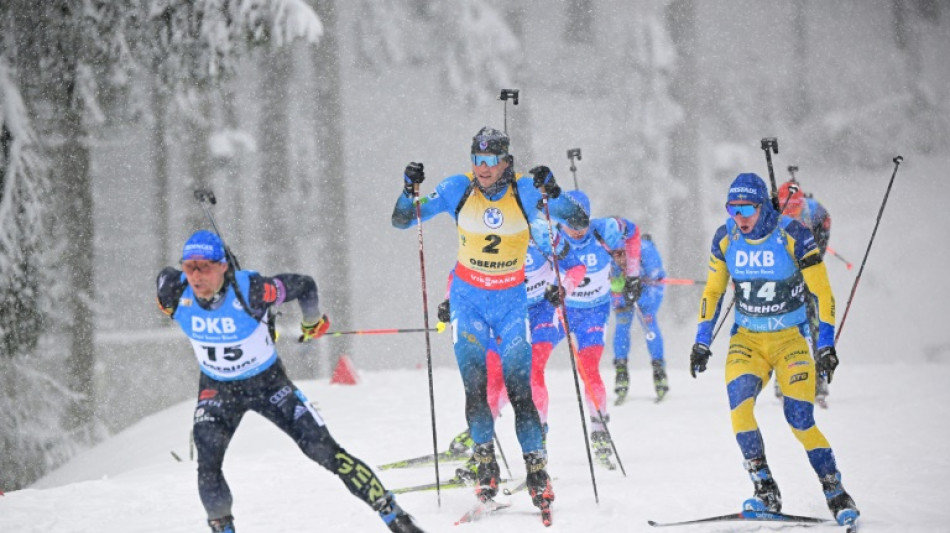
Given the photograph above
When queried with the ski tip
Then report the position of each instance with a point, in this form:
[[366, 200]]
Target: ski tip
[[652, 523]]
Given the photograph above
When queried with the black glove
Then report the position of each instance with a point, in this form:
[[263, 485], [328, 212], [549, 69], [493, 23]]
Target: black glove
[[826, 361], [544, 181], [632, 289], [698, 358], [444, 312], [554, 294], [413, 174]]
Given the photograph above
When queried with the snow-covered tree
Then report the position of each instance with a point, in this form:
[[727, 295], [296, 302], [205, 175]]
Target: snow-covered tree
[[65, 55]]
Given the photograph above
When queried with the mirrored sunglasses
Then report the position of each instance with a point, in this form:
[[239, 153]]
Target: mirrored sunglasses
[[490, 159], [746, 210]]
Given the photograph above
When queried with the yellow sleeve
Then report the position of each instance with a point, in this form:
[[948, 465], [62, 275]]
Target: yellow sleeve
[[816, 278]]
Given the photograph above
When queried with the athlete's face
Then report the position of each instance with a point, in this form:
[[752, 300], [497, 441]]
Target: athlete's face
[[576, 234], [488, 175], [737, 211], [205, 277]]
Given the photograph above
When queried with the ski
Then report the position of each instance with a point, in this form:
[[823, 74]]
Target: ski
[[425, 460], [481, 510], [749, 516], [453, 483]]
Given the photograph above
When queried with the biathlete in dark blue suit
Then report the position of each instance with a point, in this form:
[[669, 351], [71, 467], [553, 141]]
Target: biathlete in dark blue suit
[[225, 315], [493, 207]]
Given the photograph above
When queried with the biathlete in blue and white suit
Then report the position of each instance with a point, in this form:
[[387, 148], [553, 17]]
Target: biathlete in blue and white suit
[[493, 207], [225, 315], [546, 330], [772, 259], [637, 290], [588, 309]]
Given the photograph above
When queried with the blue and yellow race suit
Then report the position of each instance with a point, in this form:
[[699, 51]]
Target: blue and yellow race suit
[[488, 293], [771, 274]]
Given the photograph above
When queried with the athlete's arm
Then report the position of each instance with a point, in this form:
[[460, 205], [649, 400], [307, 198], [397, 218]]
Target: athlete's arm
[[808, 255], [445, 198], [269, 292], [716, 281], [632, 246]]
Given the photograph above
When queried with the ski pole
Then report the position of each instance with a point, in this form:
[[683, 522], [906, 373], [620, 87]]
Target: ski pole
[[439, 328], [770, 146], [835, 253], [571, 154], [425, 322], [502, 453], [577, 386], [897, 162], [675, 281]]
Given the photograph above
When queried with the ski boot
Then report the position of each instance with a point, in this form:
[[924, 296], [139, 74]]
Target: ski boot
[[767, 497], [396, 519], [600, 442], [468, 472], [659, 379], [622, 382], [488, 472], [539, 483], [461, 444], [839, 501], [821, 391], [225, 524]]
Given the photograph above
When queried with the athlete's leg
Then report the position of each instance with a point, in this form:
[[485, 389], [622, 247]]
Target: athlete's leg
[[746, 370], [623, 320], [649, 304], [588, 325], [217, 416], [510, 321], [795, 373], [545, 332], [495, 387], [471, 338], [281, 402]]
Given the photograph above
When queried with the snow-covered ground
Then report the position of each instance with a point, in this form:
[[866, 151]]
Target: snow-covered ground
[[887, 423]]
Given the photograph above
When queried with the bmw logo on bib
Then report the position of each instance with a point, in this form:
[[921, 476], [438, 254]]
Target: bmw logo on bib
[[493, 218]]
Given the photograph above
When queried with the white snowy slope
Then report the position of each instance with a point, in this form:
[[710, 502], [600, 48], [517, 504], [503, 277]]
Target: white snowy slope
[[887, 424]]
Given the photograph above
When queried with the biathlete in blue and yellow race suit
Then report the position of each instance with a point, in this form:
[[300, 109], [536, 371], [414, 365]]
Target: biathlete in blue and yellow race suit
[[492, 207], [224, 313], [771, 259], [640, 296]]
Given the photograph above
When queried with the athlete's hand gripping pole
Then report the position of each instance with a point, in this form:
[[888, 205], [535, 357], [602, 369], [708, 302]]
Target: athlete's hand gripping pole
[[413, 176]]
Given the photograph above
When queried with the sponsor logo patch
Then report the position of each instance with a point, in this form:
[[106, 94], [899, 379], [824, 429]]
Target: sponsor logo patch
[[798, 377]]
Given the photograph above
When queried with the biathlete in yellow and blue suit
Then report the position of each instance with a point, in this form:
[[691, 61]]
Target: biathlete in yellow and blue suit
[[493, 207], [771, 259]]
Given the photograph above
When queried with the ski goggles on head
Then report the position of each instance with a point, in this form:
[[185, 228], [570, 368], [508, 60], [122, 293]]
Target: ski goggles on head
[[488, 159], [746, 210]]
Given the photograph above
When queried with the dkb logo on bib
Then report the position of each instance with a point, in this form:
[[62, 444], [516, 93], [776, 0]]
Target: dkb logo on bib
[[213, 325], [763, 258]]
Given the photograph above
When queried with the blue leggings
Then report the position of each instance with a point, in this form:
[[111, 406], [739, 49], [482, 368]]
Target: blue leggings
[[476, 314], [649, 304]]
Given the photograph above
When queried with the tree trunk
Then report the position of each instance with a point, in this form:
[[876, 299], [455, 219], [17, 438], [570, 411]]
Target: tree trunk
[[328, 176], [275, 160], [685, 233], [73, 178]]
